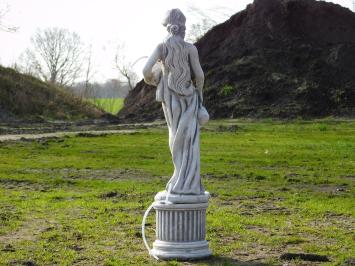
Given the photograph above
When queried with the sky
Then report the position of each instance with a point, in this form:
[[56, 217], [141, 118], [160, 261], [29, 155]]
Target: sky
[[104, 24]]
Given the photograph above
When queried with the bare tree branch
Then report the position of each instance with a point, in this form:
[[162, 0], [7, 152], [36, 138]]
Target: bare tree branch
[[125, 67], [3, 27], [89, 73], [207, 19]]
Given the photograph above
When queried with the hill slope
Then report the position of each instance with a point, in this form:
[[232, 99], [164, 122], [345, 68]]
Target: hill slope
[[276, 58], [25, 97]]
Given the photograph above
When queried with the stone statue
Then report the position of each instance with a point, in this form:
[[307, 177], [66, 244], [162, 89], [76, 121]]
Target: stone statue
[[175, 69]]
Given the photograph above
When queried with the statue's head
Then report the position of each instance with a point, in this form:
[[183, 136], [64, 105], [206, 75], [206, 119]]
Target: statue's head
[[174, 22]]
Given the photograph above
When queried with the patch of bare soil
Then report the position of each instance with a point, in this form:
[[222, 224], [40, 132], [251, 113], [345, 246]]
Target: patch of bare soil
[[28, 231], [254, 254], [9, 183], [27, 129], [225, 260], [88, 173], [92, 133], [336, 220], [70, 177]]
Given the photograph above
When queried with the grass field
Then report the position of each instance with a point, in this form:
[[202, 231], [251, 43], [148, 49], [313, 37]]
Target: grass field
[[276, 187], [110, 105]]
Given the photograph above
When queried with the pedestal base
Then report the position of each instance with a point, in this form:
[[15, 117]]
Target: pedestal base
[[181, 230], [181, 250]]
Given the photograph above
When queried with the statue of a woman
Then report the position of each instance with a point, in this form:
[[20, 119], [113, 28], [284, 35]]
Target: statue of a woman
[[175, 69]]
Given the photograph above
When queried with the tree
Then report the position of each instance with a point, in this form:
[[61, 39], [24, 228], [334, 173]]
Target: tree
[[206, 20], [197, 30], [55, 55], [125, 67], [89, 72], [3, 26]]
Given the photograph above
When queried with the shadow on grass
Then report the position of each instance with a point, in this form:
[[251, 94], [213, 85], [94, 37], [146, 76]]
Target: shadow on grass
[[220, 260]]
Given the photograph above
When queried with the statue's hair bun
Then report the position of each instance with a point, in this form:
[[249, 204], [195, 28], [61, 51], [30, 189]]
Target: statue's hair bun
[[173, 29]]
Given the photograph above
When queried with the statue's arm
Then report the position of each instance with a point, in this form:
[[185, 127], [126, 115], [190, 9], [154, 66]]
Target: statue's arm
[[148, 74], [197, 70]]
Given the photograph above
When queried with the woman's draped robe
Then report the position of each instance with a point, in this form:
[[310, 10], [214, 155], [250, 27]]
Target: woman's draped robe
[[181, 114]]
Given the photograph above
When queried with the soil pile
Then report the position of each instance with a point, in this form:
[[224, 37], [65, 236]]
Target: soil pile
[[276, 58], [23, 97]]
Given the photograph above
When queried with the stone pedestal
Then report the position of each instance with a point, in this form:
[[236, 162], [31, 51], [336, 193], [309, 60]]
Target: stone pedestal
[[181, 227]]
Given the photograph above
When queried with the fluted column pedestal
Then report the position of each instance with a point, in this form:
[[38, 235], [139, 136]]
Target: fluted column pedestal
[[181, 227]]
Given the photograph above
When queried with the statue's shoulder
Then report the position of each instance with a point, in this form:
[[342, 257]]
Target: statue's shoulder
[[160, 48], [160, 45], [191, 48]]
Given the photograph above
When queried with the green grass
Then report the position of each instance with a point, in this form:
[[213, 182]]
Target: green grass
[[110, 105], [276, 187], [227, 90]]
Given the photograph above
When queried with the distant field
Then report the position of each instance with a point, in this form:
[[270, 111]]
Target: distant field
[[276, 187], [110, 105]]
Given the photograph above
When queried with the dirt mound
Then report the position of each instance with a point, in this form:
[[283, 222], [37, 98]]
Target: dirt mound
[[23, 97], [140, 104], [276, 58]]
